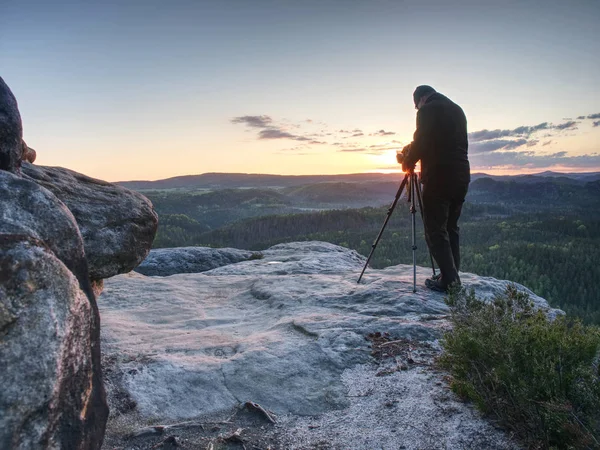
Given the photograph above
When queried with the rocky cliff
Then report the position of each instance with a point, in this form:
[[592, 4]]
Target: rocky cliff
[[61, 234], [294, 333]]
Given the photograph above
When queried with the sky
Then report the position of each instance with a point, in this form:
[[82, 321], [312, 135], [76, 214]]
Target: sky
[[144, 90]]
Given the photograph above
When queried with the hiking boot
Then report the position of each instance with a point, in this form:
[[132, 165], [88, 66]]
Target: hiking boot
[[436, 284]]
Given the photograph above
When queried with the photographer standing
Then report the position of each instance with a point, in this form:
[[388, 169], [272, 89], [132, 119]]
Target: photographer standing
[[440, 143]]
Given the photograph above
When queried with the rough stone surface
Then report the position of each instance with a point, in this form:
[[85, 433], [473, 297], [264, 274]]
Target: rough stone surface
[[285, 331], [11, 131], [170, 261], [50, 396], [52, 393], [31, 210], [117, 225]]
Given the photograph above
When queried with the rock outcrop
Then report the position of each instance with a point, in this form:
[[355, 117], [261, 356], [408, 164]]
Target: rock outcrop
[[52, 393], [288, 332], [117, 225], [170, 261], [11, 131], [61, 234]]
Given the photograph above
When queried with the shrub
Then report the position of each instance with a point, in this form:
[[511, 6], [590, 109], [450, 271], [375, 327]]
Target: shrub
[[538, 377]]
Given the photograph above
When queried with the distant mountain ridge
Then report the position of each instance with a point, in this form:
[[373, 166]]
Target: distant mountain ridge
[[216, 180]]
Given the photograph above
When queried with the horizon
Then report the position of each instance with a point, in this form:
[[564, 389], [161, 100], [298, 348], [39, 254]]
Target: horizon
[[397, 172], [136, 89]]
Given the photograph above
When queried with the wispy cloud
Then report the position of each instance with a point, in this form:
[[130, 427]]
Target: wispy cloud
[[522, 131], [530, 159], [270, 130], [382, 133], [274, 133], [594, 116], [571, 125], [484, 135], [596, 123], [253, 121], [495, 144]]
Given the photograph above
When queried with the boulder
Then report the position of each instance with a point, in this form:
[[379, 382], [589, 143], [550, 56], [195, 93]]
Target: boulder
[[52, 394], [31, 210], [61, 233], [169, 261], [117, 225]]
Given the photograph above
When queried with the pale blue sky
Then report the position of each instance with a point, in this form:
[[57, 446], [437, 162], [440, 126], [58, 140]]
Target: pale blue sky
[[150, 89]]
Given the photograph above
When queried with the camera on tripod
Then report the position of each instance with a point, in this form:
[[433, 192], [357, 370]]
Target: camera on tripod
[[413, 189], [400, 155]]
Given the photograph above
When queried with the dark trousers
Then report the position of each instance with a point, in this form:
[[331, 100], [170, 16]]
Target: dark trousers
[[441, 210]]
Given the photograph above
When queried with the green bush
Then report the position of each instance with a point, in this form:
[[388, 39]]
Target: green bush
[[538, 377]]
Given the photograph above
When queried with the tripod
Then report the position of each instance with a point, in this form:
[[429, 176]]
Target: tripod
[[414, 190]]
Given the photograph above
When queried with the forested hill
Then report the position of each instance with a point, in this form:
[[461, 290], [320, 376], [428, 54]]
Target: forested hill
[[548, 194], [249, 180], [543, 232], [245, 180], [215, 208]]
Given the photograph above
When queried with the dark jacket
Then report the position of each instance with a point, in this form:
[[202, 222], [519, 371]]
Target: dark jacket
[[440, 142]]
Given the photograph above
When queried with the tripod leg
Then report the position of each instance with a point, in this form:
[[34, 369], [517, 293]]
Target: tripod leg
[[389, 214], [420, 198], [413, 182]]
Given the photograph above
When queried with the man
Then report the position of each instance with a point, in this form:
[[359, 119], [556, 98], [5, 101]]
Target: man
[[440, 143]]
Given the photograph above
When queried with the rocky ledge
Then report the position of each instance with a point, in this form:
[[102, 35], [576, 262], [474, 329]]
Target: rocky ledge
[[61, 234], [294, 334]]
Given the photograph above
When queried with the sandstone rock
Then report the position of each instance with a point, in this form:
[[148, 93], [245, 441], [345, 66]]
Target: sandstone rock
[[29, 154], [117, 225], [169, 261], [281, 331], [11, 131], [52, 394], [28, 209]]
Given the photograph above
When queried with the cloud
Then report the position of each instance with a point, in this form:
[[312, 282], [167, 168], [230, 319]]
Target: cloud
[[594, 116], [274, 133], [253, 121], [580, 117], [357, 135], [522, 131], [495, 144], [596, 123], [533, 160], [567, 126], [546, 143], [382, 133], [532, 143], [515, 144], [484, 135], [270, 130]]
